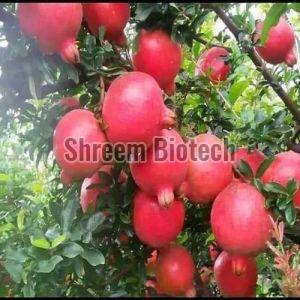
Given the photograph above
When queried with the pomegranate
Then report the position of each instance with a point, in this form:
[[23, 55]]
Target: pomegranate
[[69, 103], [160, 176], [213, 251], [209, 170], [54, 25], [134, 111], [212, 63], [279, 46], [235, 275], [239, 220], [151, 263], [158, 56], [284, 167], [175, 271], [113, 16], [88, 196], [122, 177], [154, 225], [77, 143], [65, 178], [254, 159]]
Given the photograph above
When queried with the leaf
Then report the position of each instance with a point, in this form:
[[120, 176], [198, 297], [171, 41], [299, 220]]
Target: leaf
[[258, 184], [272, 18], [71, 250], [7, 227], [47, 266], [143, 11], [264, 166], [32, 88], [69, 213], [57, 241], [40, 243], [20, 219], [28, 291], [245, 169], [94, 221], [79, 267], [18, 255], [292, 186], [291, 214], [4, 177], [90, 42], [14, 269], [93, 257], [101, 32], [237, 89], [73, 74], [295, 6], [276, 188]]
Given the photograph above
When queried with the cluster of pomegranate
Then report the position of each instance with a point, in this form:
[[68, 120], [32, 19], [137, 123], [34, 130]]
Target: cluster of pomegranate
[[134, 112]]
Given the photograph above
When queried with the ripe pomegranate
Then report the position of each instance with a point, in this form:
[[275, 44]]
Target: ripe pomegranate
[[239, 220], [163, 172], [235, 275], [175, 271], [209, 170], [158, 56], [212, 63], [77, 143], [279, 46], [154, 225], [254, 159], [134, 111], [88, 196], [65, 178], [113, 16], [284, 167], [69, 103], [213, 251], [54, 25]]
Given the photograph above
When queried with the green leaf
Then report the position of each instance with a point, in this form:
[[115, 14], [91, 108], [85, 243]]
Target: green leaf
[[292, 186], [20, 219], [94, 221], [93, 257], [57, 241], [71, 250], [237, 89], [258, 184], [295, 6], [291, 214], [272, 18], [40, 243], [90, 42], [18, 255], [14, 269], [143, 11], [32, 88], [4, 177], [125, 218], [79, 267], [69, 213], [47, 266], [245, 169], [276, 188], [264, 166], [28, 291], [7, 227], [101, 33]]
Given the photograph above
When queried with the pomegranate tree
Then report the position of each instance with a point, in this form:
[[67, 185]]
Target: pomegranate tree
[[175, 271], [77, 141], [89, 194], [240, 222], [279, 46], [134, 111], [214, 63], [235, 275], [154, 225], [54, 25], [284, 167], [163, 172], [112, 16], [159, 56], [209, 170]]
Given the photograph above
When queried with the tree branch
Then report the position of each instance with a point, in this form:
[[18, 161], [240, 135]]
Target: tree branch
[[258, 62]]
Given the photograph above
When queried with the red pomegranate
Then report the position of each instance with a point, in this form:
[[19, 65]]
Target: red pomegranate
[[175, 271], [113, 16], [235, 275], [212, 63], [77, 141], [158, 56], [239, 220], [134, 111], [65, 178], [254, 159], [88, 196], [285, 166], [213, 251], [279, 46], [54, 25], [154, 225], [163, 171], [69, 103], [209, 170]]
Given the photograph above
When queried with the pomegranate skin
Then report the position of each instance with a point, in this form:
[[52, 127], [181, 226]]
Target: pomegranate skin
[[254, 159], [284, 167], [73, 126], [113, 16], [65, 178], [279, 46], [69, 103], [160, 178], [54, 25], [175, 270], [239, 220], [206, 178], [159, 56], [212, 63], [88, 197], [134, 111], [154, 225], [235, 275]]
